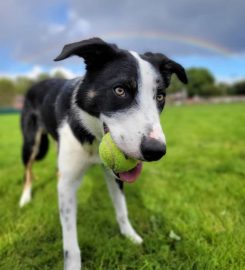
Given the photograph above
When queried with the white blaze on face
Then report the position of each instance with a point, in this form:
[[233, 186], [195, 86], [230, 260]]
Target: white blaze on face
[[129, 126]]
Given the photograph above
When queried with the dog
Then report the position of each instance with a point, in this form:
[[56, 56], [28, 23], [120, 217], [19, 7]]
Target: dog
[[122, 92]]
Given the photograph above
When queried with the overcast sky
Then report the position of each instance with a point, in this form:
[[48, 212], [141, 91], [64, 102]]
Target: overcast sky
[[206, 33]]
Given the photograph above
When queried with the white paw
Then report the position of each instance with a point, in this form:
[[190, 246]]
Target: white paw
[[135, 238], [131, 234], [25, 197]]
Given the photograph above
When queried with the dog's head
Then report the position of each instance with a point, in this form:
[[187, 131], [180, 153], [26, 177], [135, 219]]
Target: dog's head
[[126, 92]]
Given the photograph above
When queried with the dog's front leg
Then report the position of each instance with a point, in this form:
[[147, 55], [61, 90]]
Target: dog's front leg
[[120, 206], [67, 206], [72, 163]]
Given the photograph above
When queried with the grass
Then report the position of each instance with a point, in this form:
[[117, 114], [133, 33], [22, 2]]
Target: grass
[[197, 191]]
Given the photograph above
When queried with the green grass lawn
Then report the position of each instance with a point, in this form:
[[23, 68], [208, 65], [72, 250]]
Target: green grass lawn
[[197, 191]]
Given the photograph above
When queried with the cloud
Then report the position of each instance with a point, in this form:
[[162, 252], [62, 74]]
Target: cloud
[[34, 32], [31, 73], [36, 70], [219, 21], [72, 28], [56, 28], [230, 80], [67, 72]]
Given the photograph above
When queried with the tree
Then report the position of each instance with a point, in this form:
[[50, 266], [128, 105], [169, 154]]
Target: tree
[[201, 82], [43, 76], [59, 74], [225, 89], [7, 92], [175, 85], [239, 88], [22, 84]]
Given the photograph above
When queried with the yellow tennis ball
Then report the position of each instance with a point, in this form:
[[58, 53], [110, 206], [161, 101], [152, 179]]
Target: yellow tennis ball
[[113, 157]]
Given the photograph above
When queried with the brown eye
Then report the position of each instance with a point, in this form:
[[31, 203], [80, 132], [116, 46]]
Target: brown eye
[[119, 91], [160, 98]]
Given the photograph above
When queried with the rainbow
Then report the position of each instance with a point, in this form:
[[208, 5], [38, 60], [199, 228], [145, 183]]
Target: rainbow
[[165, 36], [156, 36]]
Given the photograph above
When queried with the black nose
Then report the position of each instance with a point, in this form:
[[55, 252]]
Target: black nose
[[152, 149]]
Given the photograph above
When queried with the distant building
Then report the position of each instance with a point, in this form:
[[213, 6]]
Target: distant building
[[177, 98], [18, 102]]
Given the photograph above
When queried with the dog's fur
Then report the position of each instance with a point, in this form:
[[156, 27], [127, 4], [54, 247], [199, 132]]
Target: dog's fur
[[76, 114]]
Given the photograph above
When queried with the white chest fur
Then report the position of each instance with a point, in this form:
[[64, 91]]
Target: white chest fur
[[73, 153]]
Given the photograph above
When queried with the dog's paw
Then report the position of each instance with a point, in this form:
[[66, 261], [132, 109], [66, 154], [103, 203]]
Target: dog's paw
[[132, 235], [135, 238], [25, 197]]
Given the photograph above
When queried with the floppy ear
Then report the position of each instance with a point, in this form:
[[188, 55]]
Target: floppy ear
[[167, 67], [94, 51]]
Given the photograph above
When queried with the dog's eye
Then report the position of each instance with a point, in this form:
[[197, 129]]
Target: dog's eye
[[160, 98], [119, 91]]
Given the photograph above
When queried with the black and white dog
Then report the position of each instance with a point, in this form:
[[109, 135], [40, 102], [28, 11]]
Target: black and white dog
[[122, 92]]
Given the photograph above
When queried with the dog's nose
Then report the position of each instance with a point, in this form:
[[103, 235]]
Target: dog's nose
[[152, 149]]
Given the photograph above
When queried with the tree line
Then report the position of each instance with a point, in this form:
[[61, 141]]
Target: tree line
[[10, 88], [201, 83]]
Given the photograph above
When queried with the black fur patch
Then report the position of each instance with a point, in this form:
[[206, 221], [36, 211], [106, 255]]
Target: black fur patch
[[166, 67], [66, 254], [47, 104], [80, 132], [120, 184], [120, 71], [43, 147]]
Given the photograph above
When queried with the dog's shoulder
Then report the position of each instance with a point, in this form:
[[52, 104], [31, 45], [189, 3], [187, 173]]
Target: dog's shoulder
[[65, 112]]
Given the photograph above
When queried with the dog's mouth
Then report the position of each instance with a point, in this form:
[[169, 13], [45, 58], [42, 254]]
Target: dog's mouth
[[131, 175], [105, 127], [127, 176]]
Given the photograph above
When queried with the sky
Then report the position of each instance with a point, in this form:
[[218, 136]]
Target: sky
[[195, 33]]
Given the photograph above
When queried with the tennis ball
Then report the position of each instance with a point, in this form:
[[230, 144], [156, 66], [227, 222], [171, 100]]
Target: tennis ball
[[113, 157]]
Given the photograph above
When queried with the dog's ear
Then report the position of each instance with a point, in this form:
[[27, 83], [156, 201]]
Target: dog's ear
[[93, 51], [167, 67]]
